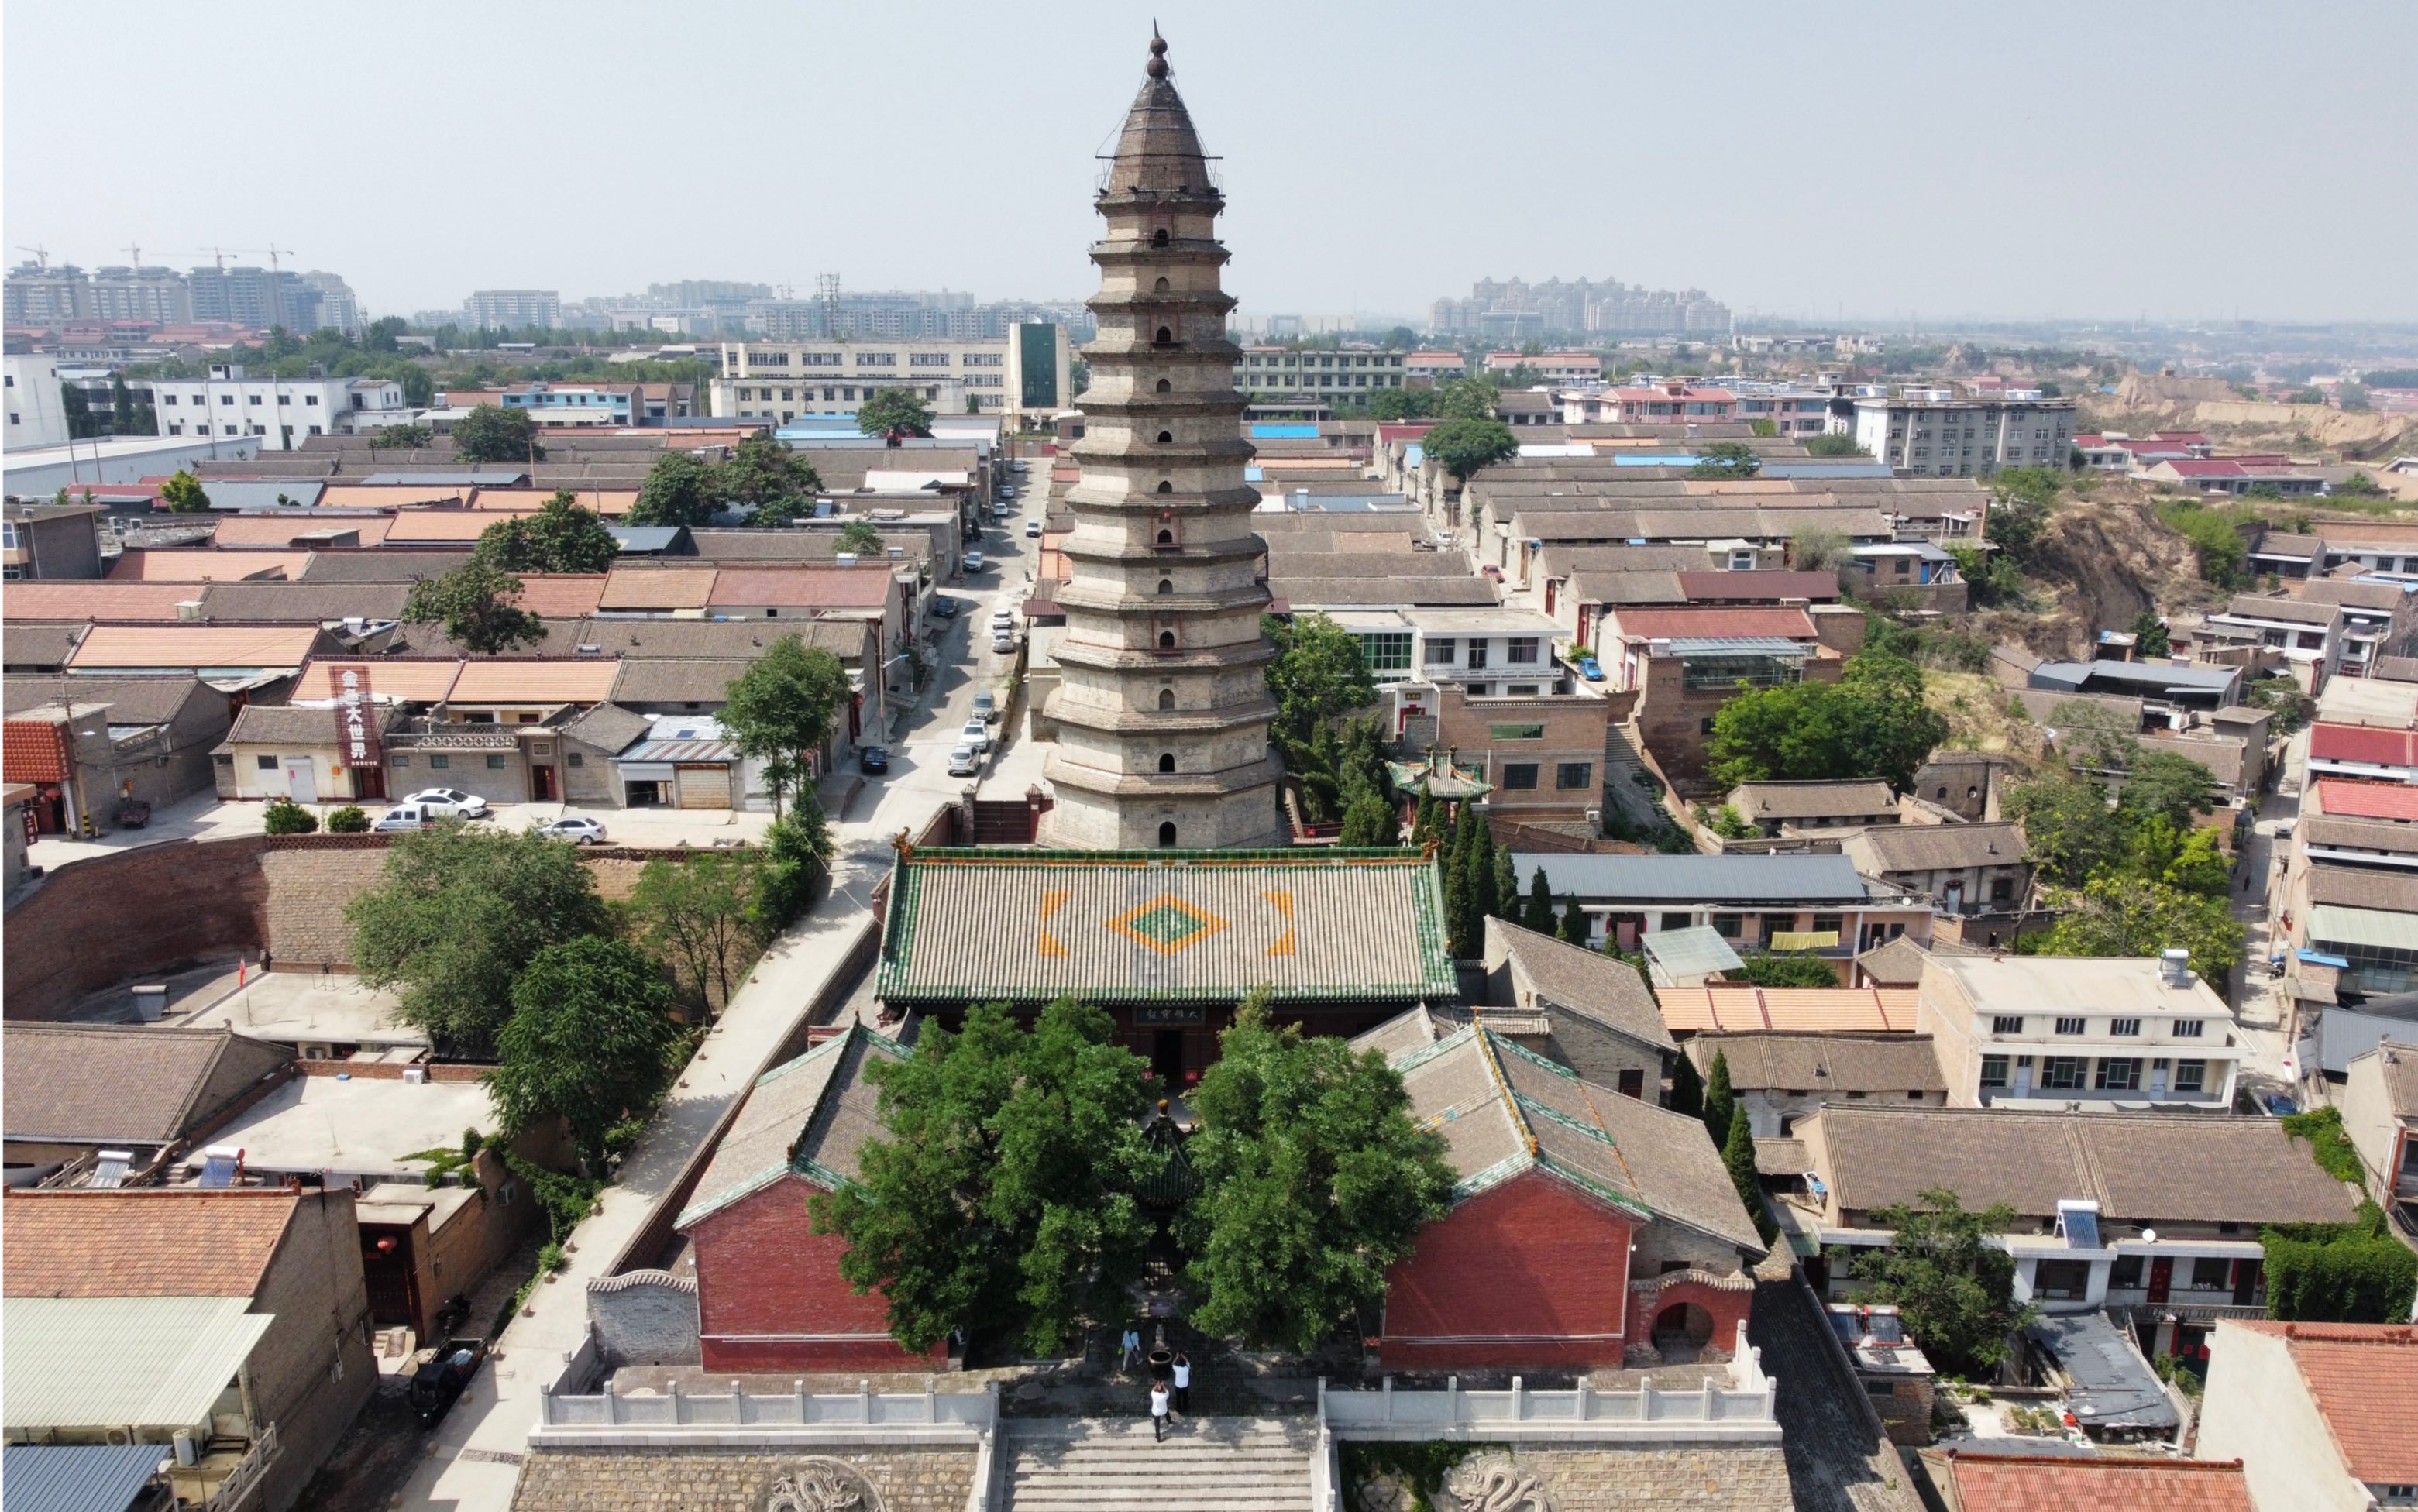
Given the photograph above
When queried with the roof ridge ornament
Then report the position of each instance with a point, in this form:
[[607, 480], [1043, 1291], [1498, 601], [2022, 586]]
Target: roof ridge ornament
[[1157, 67]]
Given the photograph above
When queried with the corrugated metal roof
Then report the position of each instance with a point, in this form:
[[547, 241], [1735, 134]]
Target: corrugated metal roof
[[2334, 924], [681, 751], [1797, 881], [122, 1362], [78, 1477], [1693, 952], [1737, 646]]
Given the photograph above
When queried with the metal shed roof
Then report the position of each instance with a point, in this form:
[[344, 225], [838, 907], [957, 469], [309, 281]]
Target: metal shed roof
[[1699, 951], [122, 1362], [2335, 925], [78, 1477]]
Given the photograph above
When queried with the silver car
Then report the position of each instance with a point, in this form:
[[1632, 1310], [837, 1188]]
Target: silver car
[[963, 762], [577, 829]]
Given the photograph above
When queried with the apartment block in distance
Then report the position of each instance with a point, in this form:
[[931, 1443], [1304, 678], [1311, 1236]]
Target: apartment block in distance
[[510, 309], [778, 381], [1926, 433]]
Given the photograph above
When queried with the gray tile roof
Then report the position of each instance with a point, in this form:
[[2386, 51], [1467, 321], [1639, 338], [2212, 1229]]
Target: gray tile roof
[[1813, 800], [286, 725], [1740, 880], [379, 564], [809, 1117], [130, 700], [32, 645], [1895, 964], [303, 603], [1818, 1063], [608, 727], [2362, 887], [1157, 925], [2354, 594], [2295, 611], [1585, 981], [2147, 1167], [659, 680], [94, 1084], [1400, 1034], [2360, 835], [1933, 848], [1429, 592]]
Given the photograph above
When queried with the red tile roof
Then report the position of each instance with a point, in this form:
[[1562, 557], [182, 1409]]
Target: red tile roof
[[34, 600], [559, 595], [162, 1242], [2358, 743], [2203, 466], [2363, 1379], [2367, 800], [2046, 1483], [201, 564], [814, 587], [1671, 624]]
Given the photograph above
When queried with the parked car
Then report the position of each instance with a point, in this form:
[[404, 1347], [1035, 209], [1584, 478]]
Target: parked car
[[1002, 642], [451, 802], [975, 561], [436, 1386], [1033, 528], [1590, 669], [400, 818], [1019, 465], [872, 758], [986, 707], [963, 762], [977, 735], [945, 608], [578, 830]]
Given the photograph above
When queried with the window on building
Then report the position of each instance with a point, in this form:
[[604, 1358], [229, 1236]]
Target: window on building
[[2069, 1026], [1730, 925], [267, 763], [1387, 651], [1521, 651], [440, 762], [1677, 921], [2006, 1024], [1477, 656], [1633, 1082], [1994, 1071], [2191, 1076], [1573, 775], [1442, 651], [2062, 1073], [496, 763], [2125, 1274], [1515, 732], [2061, 1280], [2118, 1074], [1519, 776]]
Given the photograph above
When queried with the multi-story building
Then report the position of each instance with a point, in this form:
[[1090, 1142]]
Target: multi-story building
[[1435, 368], [255, 296], [337, 306], [36, 411], [283, 412], [1554, 367], [1931, 432], [142, 295], [2096, 1034], [780, 381], [1348, 375], [1515, 309], [45, 297], [512, 309], [1817, 901]]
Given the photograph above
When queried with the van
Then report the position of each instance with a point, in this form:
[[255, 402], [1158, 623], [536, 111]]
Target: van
[[403, 817]]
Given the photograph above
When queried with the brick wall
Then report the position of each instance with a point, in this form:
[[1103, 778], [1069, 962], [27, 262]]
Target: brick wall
[[308, 889], [313, 1370], [1528, 1274], [764, 1274], [1671, 717], [1714, 1477], [144, 912], [1575, 730], [644, 1318], [727, 1480]]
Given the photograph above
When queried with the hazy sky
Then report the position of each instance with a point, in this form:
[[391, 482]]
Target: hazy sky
[[2016, 161]]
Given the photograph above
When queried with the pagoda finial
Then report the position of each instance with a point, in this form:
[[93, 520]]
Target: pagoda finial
[[1158, 67]]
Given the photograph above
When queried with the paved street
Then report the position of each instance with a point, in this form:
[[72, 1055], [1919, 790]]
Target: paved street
[[2263, 1008]]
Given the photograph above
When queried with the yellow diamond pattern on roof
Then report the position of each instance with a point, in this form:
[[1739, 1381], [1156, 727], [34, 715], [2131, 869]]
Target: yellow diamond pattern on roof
[[1051, 903], [1168, 924]]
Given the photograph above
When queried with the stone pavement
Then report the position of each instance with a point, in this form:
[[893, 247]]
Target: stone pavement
[[1836, 1461]]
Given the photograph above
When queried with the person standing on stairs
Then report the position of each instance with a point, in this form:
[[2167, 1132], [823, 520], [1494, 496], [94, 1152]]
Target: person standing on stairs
[[1157, 1412], [1183, 1384], [1129, 1349]]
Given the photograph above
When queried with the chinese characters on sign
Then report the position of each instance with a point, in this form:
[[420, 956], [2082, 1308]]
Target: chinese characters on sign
[[355, 718]]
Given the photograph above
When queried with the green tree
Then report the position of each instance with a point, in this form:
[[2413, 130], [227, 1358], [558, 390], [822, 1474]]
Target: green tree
[[405, 437], [1319, 672], [1464, 446], [679, 489], [1737, 1155], [1725, 822], [493, 434], [895, 414], [784, 708], [1469, 399], [2071, 834], [1573, 930], [1871, 722], [2149, 636], [381, 335], [1004, 1190], [1834, 444], [2200, 866], [182, 494], [456, 915], [1368, 820], [282, 815], [1539, 914], [778, 483], [1402, 404], [1477, 870], [1687, 1089], [1314, 1181], [798, 848], [696, 913], [590, 1042], [2282, 697], [2162, 783], [564, 536], [862, 536], [1506, 887], [1954, 1288], [474, 604], [1720, 1101], [1427, 821], [1726, 458], [1785, 971], [2130, 916]]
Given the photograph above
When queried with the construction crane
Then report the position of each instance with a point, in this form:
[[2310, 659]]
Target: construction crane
[[41, 255], [136, 253]]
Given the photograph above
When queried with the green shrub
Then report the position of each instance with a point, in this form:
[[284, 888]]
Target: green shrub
[[2343, 1273], [348, 819], [2215, 537], [286, 817], [549, 1257], [2332, 1148]]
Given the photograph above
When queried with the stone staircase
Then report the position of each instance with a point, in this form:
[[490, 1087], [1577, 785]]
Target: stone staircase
[[1216, 1464]]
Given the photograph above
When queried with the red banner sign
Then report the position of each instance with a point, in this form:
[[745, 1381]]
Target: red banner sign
[[356, 725]]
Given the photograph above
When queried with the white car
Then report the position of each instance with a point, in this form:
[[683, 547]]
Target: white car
[[986, 707], [579, 831], [1002, 642], [400, 818], [974, 561], [1032, 526], [449, 803], [976, 734], [963, 762]]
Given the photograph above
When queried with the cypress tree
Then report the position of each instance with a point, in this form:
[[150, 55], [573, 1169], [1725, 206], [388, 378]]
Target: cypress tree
[[1687, 1089], [1574, 922], [1540, 913], [1479, 861], [1737, 1153], [1719, 1102], [1428, 824], [1506, 888]]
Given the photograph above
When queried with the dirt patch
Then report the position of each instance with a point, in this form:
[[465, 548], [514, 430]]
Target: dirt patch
[[1979, 718], [374, 1458], [2099, 564]]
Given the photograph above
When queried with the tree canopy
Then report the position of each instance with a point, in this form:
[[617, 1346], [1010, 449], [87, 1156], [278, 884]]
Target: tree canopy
[[1464, 446], [493, 434], [2118, 915], [564, 536], [1319, 672], [1871, 722], [1955, 1289], [1726, 458], [1834, 444], [783, 707], [183, 495], [697, 913], [1003, 1191], [895, 414], [1470, 399], [1313, 1181], [590, 1041], [862, 536], [679, 489], [473, 602], [775, 483], [456, 915], [405, 437]]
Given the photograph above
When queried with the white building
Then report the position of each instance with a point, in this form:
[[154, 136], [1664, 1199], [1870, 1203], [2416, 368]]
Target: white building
[[512, 309], [282, 412], [1347, 376], [2092, 1034], [780, 381], [142, 295], [37, 414], [1485, 652], [1932, 432]]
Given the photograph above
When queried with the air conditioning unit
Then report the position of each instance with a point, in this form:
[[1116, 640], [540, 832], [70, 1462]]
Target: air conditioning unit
[[415, 1076]]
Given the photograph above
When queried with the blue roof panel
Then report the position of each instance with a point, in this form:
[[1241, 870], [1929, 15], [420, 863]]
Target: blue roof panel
[[78, 1477]]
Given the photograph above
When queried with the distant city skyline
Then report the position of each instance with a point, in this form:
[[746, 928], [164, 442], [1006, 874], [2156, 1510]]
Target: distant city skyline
[[2069, 160]]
